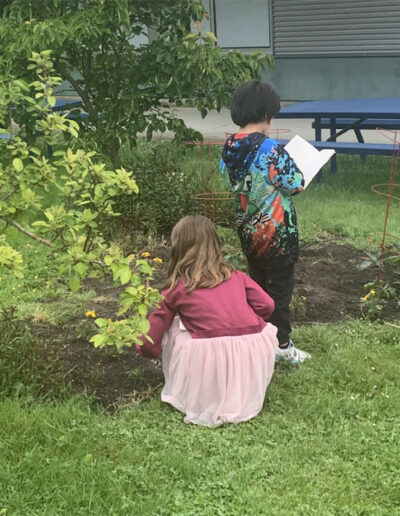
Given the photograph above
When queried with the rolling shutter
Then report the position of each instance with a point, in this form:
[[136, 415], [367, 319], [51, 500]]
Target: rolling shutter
[[336, 27]]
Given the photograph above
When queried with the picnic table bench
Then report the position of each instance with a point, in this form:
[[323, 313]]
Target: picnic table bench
[[357, 125], [346, 115]]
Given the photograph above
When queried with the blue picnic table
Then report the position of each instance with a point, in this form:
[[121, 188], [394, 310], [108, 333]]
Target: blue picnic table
[[341, 116], [66, 104]]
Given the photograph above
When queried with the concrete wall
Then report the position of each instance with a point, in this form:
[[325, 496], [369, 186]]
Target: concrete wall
[[335, 77]]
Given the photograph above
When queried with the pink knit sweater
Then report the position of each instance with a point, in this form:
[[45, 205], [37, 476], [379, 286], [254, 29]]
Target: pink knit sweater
[[238, 306]]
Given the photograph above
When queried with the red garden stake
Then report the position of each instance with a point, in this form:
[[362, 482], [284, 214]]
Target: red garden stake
[[209, 196], [389, 194]]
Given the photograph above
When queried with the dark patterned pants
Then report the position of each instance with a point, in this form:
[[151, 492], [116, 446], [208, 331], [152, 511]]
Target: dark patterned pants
[[278, 283]]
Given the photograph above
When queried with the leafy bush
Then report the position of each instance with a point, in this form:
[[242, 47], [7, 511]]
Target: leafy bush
[[168, 174], [165, 186], [71, 224]]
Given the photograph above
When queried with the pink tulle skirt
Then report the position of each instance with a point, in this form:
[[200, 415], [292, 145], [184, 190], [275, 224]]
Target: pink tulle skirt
[[217, 380]]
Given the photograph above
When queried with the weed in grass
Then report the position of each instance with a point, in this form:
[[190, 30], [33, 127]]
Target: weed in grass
[[85, 329], [298, 306], [231, 248], [29, 368]]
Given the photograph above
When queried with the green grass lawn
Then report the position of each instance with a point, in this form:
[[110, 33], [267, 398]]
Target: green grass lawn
[[327, 442], [343, 206]]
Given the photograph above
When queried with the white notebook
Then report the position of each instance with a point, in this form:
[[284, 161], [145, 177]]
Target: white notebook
[[309, 159]]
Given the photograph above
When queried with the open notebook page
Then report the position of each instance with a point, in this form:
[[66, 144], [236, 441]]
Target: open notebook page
[[309, 159]]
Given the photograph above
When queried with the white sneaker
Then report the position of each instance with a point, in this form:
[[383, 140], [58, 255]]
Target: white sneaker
[[291, 355]]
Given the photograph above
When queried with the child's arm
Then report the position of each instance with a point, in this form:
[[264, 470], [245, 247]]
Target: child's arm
[[258, 299], [281, 170], [160, 320]]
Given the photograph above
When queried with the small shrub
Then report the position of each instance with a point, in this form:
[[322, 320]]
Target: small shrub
[[377, 299], [168, 174], [380, 296], [164, 188]]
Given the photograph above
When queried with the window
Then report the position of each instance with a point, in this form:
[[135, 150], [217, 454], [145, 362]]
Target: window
[[241, 24]]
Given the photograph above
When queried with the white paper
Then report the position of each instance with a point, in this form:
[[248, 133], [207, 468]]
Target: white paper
[[309, 159]]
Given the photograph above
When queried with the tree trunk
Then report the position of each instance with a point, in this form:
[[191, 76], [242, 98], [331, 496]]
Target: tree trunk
[[112, 149]]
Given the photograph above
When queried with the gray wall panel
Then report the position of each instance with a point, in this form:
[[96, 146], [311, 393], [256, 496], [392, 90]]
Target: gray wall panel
[[335, 78]]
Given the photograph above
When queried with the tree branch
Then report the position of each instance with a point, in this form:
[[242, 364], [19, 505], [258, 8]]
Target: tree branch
[[81, 92], [31, 235]]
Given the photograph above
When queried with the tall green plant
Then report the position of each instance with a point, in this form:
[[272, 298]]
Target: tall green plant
[[125, 58], [86, 194]]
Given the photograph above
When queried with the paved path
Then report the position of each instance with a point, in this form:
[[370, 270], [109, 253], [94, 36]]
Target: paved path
[[215, 125]]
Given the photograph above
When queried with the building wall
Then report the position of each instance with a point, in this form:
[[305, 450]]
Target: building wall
[[316, 78]]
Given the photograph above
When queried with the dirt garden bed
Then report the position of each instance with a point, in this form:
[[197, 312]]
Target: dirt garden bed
[[328, 283]]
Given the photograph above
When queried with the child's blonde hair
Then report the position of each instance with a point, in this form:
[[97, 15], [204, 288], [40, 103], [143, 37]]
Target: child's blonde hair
[[196, 255]]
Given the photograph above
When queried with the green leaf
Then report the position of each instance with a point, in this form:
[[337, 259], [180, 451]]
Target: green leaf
[[40, 223], [125, 275], [108, 259], [21, 84], [142, 310], [101, 323], [18, 164], [73, 132], [81, 269], [98, 340], [74, 283]]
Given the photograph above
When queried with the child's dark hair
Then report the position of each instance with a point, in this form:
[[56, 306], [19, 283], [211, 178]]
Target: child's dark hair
[[254, 101]]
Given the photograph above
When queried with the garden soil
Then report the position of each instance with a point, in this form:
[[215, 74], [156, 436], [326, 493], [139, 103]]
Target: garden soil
[[328, 288]]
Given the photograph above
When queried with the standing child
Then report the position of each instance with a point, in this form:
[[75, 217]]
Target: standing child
[[217, 350], [263, 178]]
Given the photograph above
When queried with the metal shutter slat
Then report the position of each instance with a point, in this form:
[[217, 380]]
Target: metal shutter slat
[[323, 27]]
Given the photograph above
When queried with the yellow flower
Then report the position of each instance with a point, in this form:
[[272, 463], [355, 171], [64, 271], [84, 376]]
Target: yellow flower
[[370, 293], [90, 313], [109, 320], [157, 260], [145, 254]]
